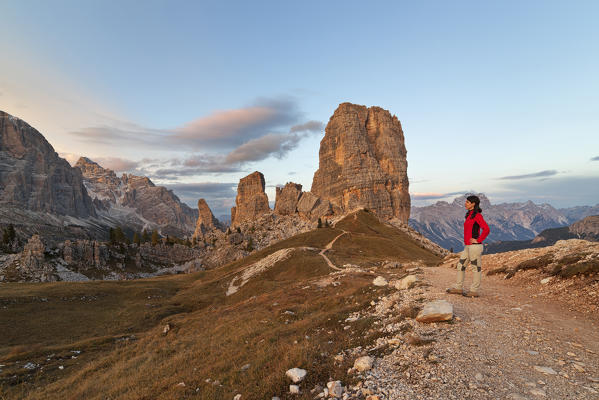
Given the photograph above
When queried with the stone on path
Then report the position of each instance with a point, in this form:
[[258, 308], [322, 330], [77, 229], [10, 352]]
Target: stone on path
[[237, 397], [434, 311], [335, 388], [380, 281], [294, 389], [407, 282], [296, 374], [545, 370], [363, 363]]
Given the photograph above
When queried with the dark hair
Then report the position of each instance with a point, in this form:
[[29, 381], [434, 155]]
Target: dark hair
[[476, 209]]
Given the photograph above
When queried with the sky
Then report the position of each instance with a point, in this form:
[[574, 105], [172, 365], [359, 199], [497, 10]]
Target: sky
[[494, 97]]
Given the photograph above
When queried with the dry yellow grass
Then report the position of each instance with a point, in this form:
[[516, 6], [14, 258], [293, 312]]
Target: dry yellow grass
[[279, 320]]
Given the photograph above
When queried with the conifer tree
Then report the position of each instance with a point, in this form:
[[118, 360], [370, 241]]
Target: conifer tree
[[155, 237], [136, 239]]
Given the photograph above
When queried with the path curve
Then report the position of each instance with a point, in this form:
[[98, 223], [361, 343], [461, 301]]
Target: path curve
[[328, 247]]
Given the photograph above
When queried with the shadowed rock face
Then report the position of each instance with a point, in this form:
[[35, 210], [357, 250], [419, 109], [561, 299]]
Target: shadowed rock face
[[33, 177], [251, 201], [363, 162], [287, 198]]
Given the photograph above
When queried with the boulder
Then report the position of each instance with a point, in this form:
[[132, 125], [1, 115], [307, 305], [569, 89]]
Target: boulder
[[436, 311], [406, 282]]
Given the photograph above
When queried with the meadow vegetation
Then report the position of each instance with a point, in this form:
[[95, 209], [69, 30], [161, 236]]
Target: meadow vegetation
[[109, 338]]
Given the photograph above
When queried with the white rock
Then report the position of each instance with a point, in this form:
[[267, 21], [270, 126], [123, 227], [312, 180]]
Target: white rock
[[363, 363], [380, 281], [407, 282], [478, 377], [335, 389], [294, 389], [434, 311], [546, 280], [275, 398], [237, 397], [296, 374], [545, 370]]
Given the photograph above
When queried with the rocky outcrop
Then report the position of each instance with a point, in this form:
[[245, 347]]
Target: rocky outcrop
[[33, 176], [206, 221], [135, 201], [587, 228], [33, 261], [251, 201], [363, 162], [287, 198]]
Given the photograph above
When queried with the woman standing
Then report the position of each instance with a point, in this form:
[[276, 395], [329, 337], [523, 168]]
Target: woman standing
[[473, 249]]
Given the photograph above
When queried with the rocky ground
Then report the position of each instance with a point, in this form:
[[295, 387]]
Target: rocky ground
[[522, 339]]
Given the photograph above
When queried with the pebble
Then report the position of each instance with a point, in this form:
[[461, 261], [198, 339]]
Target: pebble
[[296, 374], [545, 370], [363, 363], [478, 377], [380, 281], [294, 389], [335, 388], [237, 397]]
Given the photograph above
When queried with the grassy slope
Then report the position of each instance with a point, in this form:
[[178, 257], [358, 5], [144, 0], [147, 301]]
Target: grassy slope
[[117, 326]]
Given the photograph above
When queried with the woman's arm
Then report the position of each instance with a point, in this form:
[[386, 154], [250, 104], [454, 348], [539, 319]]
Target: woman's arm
[[482, 223]]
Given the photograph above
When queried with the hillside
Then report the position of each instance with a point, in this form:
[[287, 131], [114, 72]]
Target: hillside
[[98, 339]]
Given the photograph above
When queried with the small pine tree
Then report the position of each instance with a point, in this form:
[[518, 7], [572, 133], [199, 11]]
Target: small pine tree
[[319, 223], [9, 235], [155, 237], [250, 246], [111, 236], [238, 230], [136, 239], [119, 236], [187, 243], [145, 236], [193, 241]]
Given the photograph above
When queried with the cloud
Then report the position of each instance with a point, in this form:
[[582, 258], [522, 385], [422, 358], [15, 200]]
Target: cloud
[[310, 126], [540, 174], [595, 158], [225, 140], [70, 157], [231, 128], [435, 196], [118, 164], [261, 148]]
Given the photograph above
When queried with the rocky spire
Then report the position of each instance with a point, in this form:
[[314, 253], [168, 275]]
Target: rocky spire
[[206, 220], [251, 200], [363, 162], [287, 198]]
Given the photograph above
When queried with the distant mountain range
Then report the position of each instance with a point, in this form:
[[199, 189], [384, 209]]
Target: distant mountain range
[[442, 222]]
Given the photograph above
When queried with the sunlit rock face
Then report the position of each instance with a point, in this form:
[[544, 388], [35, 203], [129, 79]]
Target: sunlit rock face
[[363, 162]]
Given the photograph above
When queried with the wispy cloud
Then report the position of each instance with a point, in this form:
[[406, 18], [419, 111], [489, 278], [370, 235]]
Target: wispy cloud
[[225, 140], [540, 174], [595, 158], [435, 196]]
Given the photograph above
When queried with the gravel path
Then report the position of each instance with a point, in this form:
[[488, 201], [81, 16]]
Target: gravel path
[[506, 344]]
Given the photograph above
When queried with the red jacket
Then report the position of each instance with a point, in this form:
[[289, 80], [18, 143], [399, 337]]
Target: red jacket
[[472, 227]]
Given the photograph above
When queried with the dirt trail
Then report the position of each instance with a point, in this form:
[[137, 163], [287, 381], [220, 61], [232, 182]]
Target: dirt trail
[[328, 247], [521, 347]]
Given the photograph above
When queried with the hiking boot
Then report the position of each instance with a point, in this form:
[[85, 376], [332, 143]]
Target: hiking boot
[[470, 293], [453, 290]]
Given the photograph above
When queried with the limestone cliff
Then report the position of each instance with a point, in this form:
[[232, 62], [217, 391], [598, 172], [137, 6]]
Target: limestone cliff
[[363, 162], [33, 176]]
